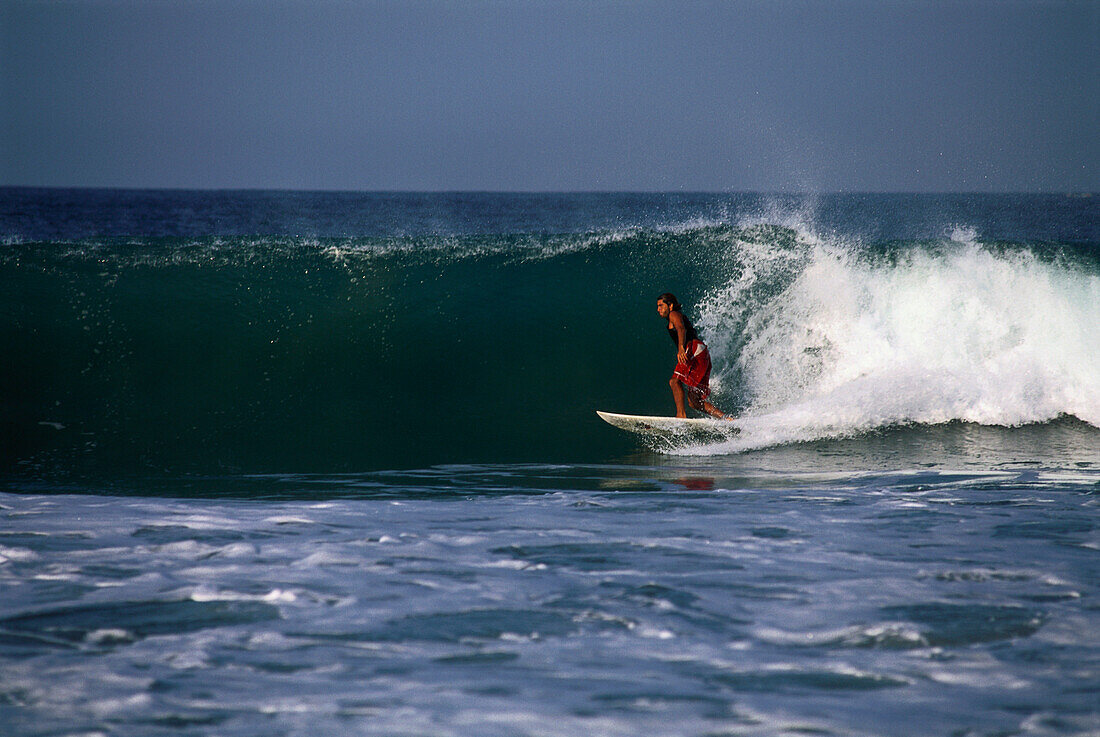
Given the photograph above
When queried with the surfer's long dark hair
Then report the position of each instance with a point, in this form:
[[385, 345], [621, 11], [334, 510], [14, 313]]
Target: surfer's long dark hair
[[670, 299]]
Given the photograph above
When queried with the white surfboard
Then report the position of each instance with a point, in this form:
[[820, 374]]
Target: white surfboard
[[649, 425]]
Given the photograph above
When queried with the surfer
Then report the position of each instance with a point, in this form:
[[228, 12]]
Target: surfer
[[691, 377]]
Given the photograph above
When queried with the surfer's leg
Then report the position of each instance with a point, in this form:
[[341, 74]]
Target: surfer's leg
[[713, 411], [697, 402], [678, 396], [693, 398]]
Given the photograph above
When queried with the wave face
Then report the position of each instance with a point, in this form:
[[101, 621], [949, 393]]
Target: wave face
[[271, 332]]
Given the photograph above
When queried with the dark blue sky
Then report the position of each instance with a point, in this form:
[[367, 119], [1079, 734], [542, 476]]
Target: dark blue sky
[[819, 95]]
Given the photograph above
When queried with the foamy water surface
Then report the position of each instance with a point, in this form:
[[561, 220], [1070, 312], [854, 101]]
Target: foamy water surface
[[559, 601]]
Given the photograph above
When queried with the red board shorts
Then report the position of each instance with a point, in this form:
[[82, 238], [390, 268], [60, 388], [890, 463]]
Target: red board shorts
[[695, 374]]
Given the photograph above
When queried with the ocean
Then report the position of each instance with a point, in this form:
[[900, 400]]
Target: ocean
[[301, 463]]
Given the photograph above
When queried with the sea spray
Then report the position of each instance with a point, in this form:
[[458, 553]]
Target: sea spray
[[853, 339]]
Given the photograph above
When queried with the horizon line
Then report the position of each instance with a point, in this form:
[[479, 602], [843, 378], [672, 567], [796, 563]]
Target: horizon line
[[777, 192]]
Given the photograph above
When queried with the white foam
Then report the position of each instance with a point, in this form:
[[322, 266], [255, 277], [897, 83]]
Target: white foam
[[272, 641], [853, 342], [16, 554], [656, 633], [184, 549], [111, 707], [237, 550], [109, 636], [326, 558], [853, 636], [515, 565], [275, 596], [206, 522]]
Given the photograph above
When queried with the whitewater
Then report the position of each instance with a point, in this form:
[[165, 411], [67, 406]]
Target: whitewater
[[955, 330]]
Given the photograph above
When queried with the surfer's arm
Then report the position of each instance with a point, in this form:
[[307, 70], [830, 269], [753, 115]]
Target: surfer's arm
[[677, 321]]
